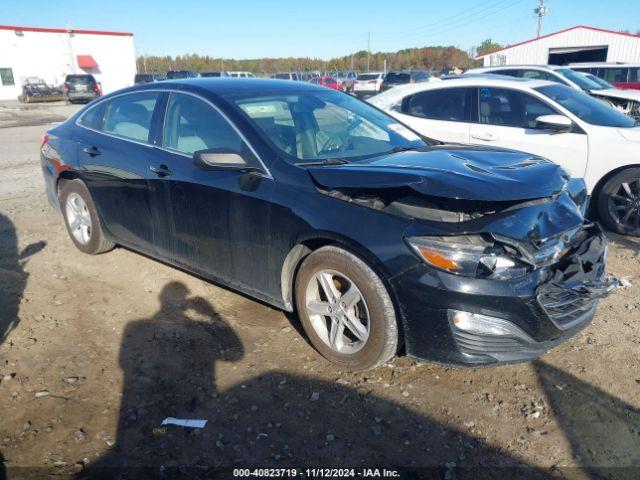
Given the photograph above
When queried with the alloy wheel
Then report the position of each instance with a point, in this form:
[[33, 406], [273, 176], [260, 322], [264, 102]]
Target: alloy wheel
[[624, 206], [78, 218], [337, 311]]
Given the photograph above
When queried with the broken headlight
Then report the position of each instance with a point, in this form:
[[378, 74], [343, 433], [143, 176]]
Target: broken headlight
[[468, 255]]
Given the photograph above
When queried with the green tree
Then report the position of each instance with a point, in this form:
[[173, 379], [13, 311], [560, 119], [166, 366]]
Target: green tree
[[487, 46]]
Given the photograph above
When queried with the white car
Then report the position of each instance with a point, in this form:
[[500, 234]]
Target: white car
[[627, 101], [585, 136], [241, 74], [368, 84]]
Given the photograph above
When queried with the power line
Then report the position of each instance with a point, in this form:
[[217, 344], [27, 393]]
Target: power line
[[461, 22], [465, 22]]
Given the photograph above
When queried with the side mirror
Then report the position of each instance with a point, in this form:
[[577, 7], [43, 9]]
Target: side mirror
[[222, 159], [556, 123]]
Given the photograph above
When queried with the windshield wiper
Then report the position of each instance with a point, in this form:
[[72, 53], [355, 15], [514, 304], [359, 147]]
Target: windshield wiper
[[326, 161]]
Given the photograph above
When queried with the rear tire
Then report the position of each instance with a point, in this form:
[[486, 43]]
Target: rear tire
[[357, 329], [619, 202], [81, 219]]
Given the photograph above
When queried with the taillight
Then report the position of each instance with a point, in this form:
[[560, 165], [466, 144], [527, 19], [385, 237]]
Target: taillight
[[66, 87], [44, 141], [381, 86], [96, 88]]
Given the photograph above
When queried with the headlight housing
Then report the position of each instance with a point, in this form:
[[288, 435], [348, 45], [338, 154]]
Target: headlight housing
[[468, 255]]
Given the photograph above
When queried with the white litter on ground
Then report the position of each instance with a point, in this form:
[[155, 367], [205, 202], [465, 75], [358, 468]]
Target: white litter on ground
[[181, 422]]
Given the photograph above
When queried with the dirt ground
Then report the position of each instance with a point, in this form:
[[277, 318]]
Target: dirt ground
[[96, 351]]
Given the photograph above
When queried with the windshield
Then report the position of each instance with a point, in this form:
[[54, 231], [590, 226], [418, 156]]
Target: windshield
[[320, 125], [80, 79], [600, 81], [587, 108], [580, 80]]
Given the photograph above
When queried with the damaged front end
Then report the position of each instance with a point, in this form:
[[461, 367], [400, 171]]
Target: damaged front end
[[499, 279]]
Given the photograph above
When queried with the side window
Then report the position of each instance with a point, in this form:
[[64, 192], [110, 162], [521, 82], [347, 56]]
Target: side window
[[537, 75], [450, 104], [191, 125], [634, 75], [129, 116], [616, 75], [510, 108], [94, 117], [511, 72]]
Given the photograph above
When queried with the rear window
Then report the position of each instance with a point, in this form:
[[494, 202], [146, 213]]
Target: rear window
[[174, 75], [80, 79], [369, 76]]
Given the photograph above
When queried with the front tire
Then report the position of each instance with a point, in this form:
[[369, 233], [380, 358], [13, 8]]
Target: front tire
[[81, 219], [346, 310], [619, 202]]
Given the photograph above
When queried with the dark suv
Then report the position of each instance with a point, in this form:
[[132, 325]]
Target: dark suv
[[81, 88], [179, 74], [148, 78], [392, 79]]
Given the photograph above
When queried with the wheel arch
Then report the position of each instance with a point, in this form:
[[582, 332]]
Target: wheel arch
[[593, 203], [307, 245]]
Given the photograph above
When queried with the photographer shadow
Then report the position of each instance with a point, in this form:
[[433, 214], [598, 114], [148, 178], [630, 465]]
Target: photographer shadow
[[272, 420]]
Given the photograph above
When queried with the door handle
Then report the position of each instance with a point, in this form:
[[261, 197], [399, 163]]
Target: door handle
[[487, 137], [92, 151], [160, 170]]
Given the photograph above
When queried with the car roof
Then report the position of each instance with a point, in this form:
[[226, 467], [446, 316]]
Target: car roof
[[486, 80], [224, 86], [509, 67], [604, 64]]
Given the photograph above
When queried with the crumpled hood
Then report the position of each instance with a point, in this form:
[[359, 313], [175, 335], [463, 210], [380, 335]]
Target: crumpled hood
[[618, 93], [468, 173]]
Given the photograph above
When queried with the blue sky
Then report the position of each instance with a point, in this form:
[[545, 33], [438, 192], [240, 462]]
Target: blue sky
[[320, 28]]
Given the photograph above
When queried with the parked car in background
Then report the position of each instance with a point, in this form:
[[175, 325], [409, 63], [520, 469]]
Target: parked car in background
[[301, 195], [626, 102], [241, 74], [181, 74], [328, 81], [582, 134], [80, 88], [347, 80], [450, 71], [148, 78], [625, 76], [393, 79], [214, 74], [368, 84], [294, 76]]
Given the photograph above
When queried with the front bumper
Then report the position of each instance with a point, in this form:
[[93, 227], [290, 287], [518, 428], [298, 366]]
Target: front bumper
[[549, 305]]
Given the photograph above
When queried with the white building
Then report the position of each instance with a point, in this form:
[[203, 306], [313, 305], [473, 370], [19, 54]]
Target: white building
[[576, 44], [52, 53]]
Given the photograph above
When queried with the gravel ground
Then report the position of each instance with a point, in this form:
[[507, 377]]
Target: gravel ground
[[96, 351]]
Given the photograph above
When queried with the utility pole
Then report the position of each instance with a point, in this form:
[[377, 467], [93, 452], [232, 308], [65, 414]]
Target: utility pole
[[541, 10], [368, 50]]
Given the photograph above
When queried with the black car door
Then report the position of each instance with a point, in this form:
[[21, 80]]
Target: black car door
[[115, 154], [214, 222]]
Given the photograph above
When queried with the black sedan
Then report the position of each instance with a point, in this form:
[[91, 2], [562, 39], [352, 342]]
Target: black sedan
[[313, 201]]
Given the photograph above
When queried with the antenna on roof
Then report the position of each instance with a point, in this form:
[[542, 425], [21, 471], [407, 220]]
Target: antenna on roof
[[541, 10]]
